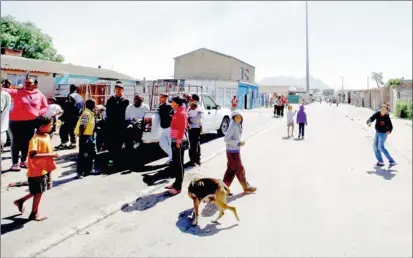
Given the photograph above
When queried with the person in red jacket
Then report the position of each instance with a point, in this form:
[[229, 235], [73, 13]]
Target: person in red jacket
[[179, 124]]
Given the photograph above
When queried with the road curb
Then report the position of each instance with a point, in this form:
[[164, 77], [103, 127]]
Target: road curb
[[112, 209]]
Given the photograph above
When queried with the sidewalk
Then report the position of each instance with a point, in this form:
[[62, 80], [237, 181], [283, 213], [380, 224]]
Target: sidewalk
[[313, 200], [400, 140]]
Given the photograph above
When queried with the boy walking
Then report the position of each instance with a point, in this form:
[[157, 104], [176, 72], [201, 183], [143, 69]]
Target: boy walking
[[301, 121], [383, 128], [290, 120], [40, 166], [85, 129]]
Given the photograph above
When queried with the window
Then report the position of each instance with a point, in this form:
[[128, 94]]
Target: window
[[209, 103]]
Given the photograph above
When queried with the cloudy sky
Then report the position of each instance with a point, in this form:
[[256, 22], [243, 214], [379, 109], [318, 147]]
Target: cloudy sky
[[349, 39]]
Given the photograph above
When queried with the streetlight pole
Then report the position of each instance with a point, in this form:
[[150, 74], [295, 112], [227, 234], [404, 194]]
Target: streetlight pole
[[306, 48]]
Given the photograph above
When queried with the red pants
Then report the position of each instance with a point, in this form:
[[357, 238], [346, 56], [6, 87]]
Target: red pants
[[234, 168]]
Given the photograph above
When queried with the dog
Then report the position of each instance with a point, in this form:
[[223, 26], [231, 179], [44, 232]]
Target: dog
[[210, 190]]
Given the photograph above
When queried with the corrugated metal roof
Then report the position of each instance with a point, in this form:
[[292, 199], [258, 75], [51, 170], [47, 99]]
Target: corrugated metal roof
[[33, 65], [215, 52]]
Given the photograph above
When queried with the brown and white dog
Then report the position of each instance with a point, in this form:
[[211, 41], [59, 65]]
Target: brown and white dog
[[210, 190]]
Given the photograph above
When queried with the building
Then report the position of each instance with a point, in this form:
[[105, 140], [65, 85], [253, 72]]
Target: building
[[206, 64], [54, 78]]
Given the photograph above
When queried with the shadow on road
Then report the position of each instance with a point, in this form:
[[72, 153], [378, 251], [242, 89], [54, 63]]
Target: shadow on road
[[387, 174], [184, 224], [146, 202], [17, 223]]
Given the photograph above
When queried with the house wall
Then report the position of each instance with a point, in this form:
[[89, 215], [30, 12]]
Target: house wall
[[221, 91], [207, 65]]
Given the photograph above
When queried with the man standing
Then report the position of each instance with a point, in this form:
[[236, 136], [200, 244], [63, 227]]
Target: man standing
[[234, 103], [134, 116], [5, 103], [165, 114], [72, 109], [115, 123], [195, 125]]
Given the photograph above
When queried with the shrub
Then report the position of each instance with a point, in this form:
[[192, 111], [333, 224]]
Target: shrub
[[404, 109]]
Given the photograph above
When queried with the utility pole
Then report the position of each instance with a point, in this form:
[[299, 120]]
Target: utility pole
[[368, 80], [306, 48], [342, 87]]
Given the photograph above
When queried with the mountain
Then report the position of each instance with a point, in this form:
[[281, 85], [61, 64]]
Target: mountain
[[315, 83]]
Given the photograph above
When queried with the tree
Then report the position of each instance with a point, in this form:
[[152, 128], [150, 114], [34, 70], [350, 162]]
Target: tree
[[27, 37], [328, 92], [394, 83], [378, 78]]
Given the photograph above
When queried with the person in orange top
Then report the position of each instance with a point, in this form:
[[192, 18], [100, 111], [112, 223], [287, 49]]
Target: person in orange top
[[40, 166]]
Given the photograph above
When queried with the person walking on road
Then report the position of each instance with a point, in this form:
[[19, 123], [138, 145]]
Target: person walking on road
[[40, 166], [301, 121], [233, 149], [277, 106], [5, 103], [72, 109], [165, 112], [282, 106], [234, 103], [179, 124], [85, 129], [115, 123], [195, 125], [290, 120], [29, 103], [383, 128]]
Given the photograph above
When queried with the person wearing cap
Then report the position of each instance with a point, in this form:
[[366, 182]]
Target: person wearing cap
[[179, 124], [72, 108], [115, 124], [54, 111], [134, 115], [195, 126], [165, 112], [29, 103]]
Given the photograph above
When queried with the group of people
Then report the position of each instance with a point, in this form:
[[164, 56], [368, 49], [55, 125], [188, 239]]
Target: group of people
[[279, 104]]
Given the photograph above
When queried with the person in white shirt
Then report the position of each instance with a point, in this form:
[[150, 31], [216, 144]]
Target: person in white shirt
[[290, 120], [54, 111], [5, 102], [134, 116]]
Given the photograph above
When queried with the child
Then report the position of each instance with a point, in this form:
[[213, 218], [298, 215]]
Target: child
[[40, 166], [234, 164], [85, 129], [54, 111], [383, 128], [195, 128], [301, 121], [290, 120]]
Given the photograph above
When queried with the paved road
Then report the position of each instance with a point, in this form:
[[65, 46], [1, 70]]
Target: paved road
[[75, 204], [317, 197]]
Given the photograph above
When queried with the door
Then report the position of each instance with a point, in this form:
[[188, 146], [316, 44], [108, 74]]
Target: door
[[210, 114]]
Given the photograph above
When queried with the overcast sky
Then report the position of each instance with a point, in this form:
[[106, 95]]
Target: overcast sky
[[349, 39]]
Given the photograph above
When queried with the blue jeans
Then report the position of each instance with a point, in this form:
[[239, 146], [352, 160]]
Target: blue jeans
[[379, 148]]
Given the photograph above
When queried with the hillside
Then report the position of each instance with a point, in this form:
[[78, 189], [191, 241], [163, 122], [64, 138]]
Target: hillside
[[315, 83]]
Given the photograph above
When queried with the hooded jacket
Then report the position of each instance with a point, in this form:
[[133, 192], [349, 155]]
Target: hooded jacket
[[301, 115], [233, 135]]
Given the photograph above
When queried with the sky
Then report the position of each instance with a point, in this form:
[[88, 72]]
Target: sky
[[351, 39]]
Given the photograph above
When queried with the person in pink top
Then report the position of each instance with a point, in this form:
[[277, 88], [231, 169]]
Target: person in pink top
[[29, 103]]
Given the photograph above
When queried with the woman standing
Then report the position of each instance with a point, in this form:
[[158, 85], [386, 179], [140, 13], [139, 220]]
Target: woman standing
[[29, 103]]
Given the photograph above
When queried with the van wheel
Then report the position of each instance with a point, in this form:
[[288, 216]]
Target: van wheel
[[224, 127]]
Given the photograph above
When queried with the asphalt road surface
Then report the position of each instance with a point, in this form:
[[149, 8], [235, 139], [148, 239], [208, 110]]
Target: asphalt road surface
[[321, 196]]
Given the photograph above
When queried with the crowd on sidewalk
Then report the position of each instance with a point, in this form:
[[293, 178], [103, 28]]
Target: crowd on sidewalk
[[33, 119]]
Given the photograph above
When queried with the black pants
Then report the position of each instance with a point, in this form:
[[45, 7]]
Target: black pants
[[114, 139], [87, 154], [195, 145], [134, 134], [68, 129], [177, 165], [275, 110], [22, 133], [281, 110], [301, 127]]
